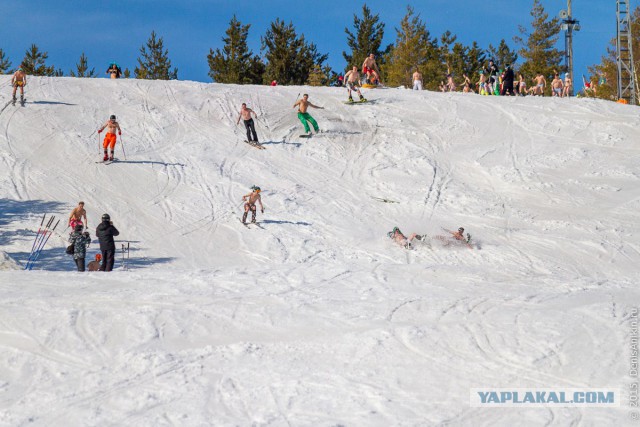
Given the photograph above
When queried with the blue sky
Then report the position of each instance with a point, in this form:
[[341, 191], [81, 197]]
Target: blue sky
[[115, 30]]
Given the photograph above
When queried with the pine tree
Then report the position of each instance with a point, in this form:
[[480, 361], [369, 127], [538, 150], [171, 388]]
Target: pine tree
[[154, 63], [319, 76], [126, 73], [5, 64], [289, 57], [34, 62], [82, 68], [235, 63], [369, 32], [502, 55], [414, 49], [538, 52]]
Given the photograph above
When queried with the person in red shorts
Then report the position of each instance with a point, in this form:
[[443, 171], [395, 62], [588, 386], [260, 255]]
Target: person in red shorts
[[110, 138], [370, 69]]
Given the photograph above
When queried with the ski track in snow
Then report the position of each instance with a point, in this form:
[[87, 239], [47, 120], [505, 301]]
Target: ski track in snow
[[315, 317]]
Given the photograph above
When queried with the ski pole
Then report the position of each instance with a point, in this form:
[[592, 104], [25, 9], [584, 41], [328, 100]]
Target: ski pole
[[122, 143], [37, 234], [38, 240], [43, 245], [98, 135]]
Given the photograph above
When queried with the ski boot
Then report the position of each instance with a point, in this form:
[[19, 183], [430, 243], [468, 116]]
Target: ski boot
[[22, 100], [350, 99], [363, 99], [105, 158], [14, 100], [244, 218]]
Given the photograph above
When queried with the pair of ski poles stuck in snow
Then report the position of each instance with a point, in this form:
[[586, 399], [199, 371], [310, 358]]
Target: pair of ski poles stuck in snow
[[41, 239]]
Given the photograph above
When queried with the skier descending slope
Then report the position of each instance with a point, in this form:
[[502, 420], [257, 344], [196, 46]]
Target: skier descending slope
[[19, 80], [245, 115], [110, 138], [250, 204], [305, 117]]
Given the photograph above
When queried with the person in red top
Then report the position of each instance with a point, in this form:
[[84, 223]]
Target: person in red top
[[110, 138]]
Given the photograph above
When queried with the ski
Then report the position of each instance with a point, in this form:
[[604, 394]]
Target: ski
[[306, 135], [107, 162], [256, 145], [23, 101], [357, 102], [381, 199]]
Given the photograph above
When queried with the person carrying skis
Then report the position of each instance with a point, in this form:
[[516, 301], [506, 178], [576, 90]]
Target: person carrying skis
[[250, 204], [114, 71], [245, 114], [303, 104], [404, 241], [19, 80], [105, 233], [110, 138], [77, 214], [352, 79], [80, 241]]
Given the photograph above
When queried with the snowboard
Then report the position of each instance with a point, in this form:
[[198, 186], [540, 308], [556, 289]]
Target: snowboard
[[357, 102], [256, 145]]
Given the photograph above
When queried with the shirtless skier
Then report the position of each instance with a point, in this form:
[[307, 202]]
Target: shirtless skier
[[250, 204], [110, 138]]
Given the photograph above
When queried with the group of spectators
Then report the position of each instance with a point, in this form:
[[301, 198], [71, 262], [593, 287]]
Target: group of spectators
[[496, 81]]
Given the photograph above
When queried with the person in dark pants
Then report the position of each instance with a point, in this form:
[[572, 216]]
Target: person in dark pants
[[80, 241], [105, 233], [245, 114], [507, 82]]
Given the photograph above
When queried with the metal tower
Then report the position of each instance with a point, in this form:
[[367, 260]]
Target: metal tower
[[624, 55], [569, 25]]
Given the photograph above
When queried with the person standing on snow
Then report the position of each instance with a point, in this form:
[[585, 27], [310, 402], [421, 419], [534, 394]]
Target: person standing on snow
[[507, 81], [19, 80], [105, 233], [114, 71], [76, 216], [305, 117], [110, 138], [250, 204], [80, 241], [245, 114]]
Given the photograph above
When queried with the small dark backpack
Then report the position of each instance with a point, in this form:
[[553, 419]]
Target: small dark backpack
[[71, 249]]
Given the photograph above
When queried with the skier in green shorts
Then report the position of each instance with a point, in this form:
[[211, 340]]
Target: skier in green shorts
[[305, 117]]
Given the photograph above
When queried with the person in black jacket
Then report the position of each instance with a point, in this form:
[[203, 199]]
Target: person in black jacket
[[507, 82], [105, 233]]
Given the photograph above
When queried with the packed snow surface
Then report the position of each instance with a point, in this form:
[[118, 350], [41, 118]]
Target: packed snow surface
[[315, 317]]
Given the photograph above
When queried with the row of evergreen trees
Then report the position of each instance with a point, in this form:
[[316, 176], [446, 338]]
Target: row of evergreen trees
[[291, 59]]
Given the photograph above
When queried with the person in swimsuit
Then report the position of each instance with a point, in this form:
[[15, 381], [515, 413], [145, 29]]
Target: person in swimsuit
[[110, 138], [250, 204]]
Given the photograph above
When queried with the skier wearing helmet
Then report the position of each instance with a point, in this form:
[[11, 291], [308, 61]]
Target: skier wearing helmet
[[105, 233], [250, 204], [110, 138]]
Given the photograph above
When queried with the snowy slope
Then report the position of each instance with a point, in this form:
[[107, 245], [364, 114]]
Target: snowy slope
[[317, 318]]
